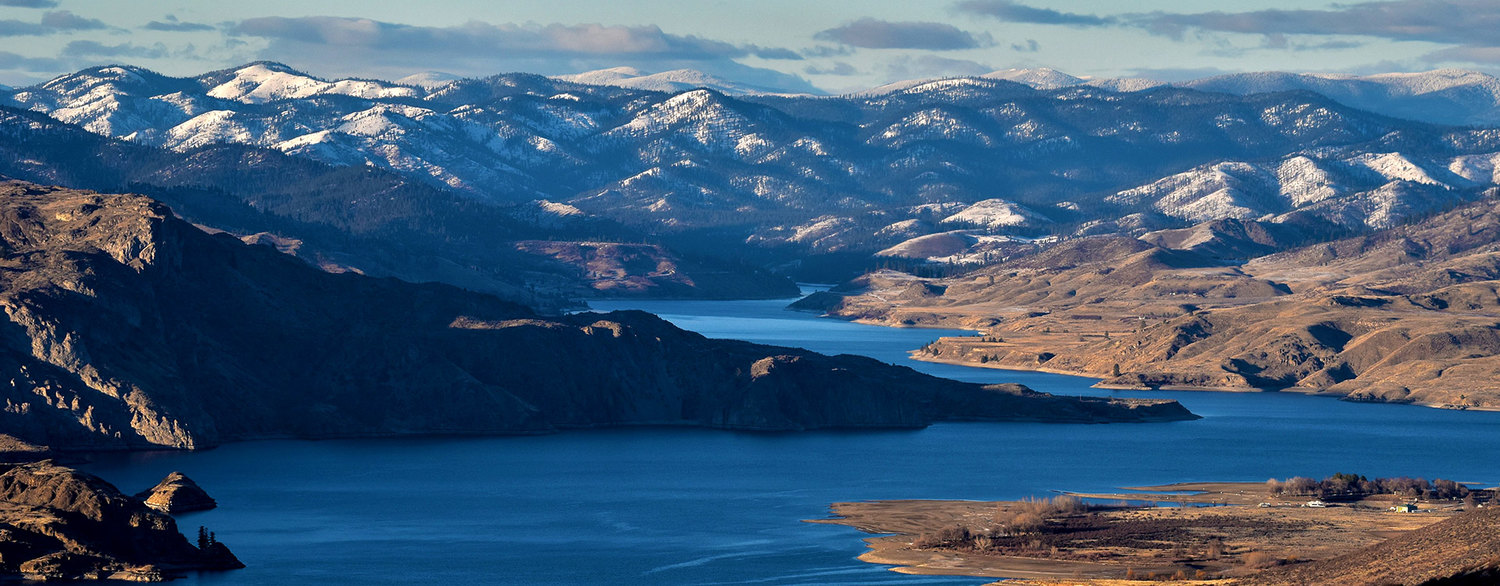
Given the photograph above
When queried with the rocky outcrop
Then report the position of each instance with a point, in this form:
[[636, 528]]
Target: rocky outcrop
[[128, 328], [60, 524], [177, 494]]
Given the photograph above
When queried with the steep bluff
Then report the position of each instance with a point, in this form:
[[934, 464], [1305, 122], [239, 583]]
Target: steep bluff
[[128, 328]]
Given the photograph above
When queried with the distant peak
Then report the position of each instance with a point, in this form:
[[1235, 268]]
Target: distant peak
[[112, 73], [271, 65], [1042, 78], [623, 70], [429, 79]]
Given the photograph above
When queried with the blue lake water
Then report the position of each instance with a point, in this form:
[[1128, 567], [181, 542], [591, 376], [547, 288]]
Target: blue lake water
[[684, 506]]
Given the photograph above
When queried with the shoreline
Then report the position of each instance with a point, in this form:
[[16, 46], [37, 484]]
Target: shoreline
[[1099, 384], [1203, 532], [1467, 381]]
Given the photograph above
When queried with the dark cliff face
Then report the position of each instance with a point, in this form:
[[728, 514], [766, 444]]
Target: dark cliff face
[[128, 328]]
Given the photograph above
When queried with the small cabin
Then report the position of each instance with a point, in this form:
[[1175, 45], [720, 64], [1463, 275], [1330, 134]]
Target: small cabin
[[1406, 508]]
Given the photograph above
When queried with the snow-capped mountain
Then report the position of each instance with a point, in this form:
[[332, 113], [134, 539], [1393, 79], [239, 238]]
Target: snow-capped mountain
[[1042, 78], [860, 172], [259, 83], [1444, 96], [429, 80], [1375, 190]]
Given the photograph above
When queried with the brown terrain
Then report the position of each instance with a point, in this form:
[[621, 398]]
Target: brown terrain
[[128, 328], [60, 524], [614, 269], [1252, 537], [1409, 314]]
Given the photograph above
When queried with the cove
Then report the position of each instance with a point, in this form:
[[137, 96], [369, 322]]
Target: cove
[[685, 506]]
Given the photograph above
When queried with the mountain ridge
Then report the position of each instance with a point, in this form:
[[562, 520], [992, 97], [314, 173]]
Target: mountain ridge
[[128, 328], [812, 185]]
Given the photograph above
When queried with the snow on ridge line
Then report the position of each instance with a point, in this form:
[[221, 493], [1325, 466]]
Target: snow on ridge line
[[259, 83]]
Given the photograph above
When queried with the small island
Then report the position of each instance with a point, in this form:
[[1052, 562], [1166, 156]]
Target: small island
[[1294, 531]]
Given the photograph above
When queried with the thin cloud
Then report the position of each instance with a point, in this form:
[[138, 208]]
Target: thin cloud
[[839, 68], [1174, 74], [96, 49], [776, 53], [1010, 11], [869, 33], [1282, 42], [361, 46], [1441, 21], [1471, 27], [64, 20], [926, 66], [51, 23], [1030, 46], [1466, 54], [828, 51], [28, 4], [554, 39], [12, 61], [21, 28], [170, 24]]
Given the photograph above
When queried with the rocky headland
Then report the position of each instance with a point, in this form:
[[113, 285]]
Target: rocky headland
[[60, 524], [128, 328]]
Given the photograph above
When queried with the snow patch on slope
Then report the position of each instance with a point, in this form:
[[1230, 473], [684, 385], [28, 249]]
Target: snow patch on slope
[[994, 213]]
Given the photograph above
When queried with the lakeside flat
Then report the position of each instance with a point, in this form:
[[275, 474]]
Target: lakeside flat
[[1190, 538]]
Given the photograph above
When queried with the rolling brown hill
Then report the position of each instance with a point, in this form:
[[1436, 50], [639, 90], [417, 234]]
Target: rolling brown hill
[[1409, 314], [1460, 551]]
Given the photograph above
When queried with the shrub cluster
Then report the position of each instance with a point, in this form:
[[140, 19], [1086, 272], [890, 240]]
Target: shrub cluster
[[1025, 517], [1343, 485]]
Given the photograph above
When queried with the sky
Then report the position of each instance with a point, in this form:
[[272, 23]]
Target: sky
[[828, 46]]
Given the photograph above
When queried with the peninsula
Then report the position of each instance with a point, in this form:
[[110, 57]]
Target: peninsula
[[1298, 531]]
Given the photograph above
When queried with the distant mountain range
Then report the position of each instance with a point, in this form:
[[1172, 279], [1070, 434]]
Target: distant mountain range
[[771, 179], [1442, 96]]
